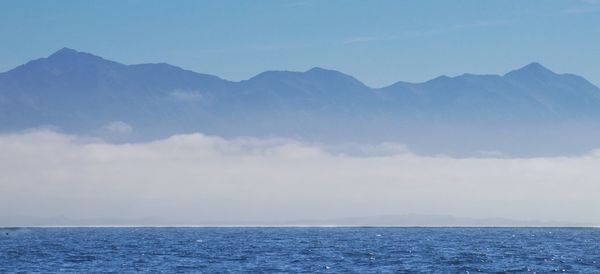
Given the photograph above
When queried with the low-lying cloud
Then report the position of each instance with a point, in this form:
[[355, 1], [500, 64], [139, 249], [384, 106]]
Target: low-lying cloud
[[52, 178]]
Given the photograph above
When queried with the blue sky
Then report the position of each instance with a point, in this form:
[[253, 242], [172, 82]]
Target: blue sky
[[379, 42]]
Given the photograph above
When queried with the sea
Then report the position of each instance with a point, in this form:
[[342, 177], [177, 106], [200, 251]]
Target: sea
[[299, 250]]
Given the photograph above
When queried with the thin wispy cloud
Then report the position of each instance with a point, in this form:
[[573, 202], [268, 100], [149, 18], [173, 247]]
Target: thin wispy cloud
[[584, 7], [297, 4], [592, 2], [118, 127], [582, 10], [426, 32], [257, 47], [187, 96]]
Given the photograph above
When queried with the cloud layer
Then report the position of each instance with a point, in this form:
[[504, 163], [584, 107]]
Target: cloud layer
[[52, 178]]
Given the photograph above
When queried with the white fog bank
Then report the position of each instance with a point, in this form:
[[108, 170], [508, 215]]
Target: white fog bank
[[48, 178]]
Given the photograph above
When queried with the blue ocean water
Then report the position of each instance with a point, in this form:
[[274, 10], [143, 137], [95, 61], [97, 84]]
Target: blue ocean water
[[310, 250]]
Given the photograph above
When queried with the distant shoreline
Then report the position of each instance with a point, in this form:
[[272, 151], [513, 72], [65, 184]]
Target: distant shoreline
[[285, 226]]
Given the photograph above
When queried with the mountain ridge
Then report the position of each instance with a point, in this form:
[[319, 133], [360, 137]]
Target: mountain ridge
[[70, 53], [81, 93]]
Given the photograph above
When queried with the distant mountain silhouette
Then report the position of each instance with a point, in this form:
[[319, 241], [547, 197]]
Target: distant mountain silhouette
[[528, 111]]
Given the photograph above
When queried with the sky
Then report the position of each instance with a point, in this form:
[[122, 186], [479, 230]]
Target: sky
[[379, 42]]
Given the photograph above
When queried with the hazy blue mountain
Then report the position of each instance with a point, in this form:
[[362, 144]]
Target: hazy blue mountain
[[531, 93], [531, 110], [80, 91]]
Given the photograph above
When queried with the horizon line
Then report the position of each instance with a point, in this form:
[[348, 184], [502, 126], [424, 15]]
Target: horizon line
[[296, 226]]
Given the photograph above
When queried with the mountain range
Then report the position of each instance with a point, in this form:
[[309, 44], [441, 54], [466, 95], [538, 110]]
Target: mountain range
[[529, 111]]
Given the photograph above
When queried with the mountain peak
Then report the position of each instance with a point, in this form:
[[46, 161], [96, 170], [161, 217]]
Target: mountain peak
[[317, 70], [67, 57], [71, 55], [325, 72], [65, 52], [532, 69], [535, 66]]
